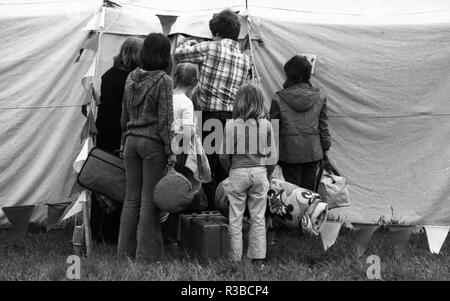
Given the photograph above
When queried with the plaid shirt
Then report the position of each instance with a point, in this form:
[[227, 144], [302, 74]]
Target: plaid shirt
[[223, 70]]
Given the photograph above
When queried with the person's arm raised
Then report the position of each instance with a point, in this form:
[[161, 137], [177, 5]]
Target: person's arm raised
[[195, 53]]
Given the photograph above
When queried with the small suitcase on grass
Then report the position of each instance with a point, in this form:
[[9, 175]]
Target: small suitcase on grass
[[185, 230], [209, 238]]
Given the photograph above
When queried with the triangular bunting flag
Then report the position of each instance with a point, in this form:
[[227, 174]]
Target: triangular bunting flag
[[54, 213], [19, 216], [92, 126], [84, 132], [84, 110], [88, 79], [363, 234], [76, 188], [82, 156], [167, 22], [436, 236], [95, 96], [329, 233], [400, 236], [76, 207]]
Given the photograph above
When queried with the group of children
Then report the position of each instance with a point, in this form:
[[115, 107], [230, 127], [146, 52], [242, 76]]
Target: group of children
[[212, 77], [224, 94]]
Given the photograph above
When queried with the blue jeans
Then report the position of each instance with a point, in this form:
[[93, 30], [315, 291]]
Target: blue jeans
[[247, 186], [140, 232]]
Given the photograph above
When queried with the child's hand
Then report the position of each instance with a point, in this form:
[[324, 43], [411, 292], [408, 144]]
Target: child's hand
[[172, 159], [187, 43], [191, 42]]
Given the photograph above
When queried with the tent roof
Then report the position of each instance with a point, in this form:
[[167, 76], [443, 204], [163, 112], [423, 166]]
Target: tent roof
[[39, 8], [309, 11]]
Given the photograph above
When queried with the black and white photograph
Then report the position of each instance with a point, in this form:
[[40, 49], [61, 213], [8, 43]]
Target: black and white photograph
[[224, 148]]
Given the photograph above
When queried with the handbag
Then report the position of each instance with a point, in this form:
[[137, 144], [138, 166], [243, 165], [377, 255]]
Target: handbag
[[104, 174], [333, 188]]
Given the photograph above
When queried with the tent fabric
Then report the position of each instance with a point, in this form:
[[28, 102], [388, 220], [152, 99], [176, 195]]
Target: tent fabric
[[388, 111], [128, 19], [311, 11], [40, 100], [384, 65]]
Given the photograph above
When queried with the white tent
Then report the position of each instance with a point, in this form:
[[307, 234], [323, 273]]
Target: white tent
[[385, 66]]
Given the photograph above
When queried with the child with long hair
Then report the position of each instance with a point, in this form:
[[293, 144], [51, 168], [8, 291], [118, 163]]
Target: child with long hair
[[185, 79], [147, 115], [249, 141], [305, 138], [105, 219]]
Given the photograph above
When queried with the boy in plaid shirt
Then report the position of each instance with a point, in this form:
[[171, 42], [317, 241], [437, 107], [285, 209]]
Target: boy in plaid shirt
[[223, 70]]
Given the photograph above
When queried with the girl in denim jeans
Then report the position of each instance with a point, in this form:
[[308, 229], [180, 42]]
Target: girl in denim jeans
[[248, 143]]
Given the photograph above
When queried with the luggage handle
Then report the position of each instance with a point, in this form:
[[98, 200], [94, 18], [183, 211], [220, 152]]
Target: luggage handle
[[170, 168], [210, 212]]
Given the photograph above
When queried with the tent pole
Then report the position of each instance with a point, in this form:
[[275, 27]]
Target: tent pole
[[255, 76], [87, 226]]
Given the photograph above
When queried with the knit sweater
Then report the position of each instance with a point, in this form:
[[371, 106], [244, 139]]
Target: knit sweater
[[147, 107], [248, 144]]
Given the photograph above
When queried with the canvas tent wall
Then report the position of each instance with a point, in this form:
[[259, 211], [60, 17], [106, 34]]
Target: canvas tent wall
[[385, 66], [40, 99]]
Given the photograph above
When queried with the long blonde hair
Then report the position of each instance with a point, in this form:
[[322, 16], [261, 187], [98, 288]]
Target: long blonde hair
[[249, 103]]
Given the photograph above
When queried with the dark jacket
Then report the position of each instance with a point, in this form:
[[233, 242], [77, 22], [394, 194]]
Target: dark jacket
[[302, 111], [110, 109], [147, 108]]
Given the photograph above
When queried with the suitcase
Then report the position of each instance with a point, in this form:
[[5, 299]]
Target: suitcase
[[185, 235], [209, 238], [104, 174]]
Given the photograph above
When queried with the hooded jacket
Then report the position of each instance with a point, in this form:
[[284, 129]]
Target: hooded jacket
[[302, 113], [147, 107]]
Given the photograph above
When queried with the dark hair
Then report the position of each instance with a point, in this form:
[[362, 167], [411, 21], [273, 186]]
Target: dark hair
[[249, 103], [127, 59], [155, 53], [185, 75], [225, 24], [297, 69]]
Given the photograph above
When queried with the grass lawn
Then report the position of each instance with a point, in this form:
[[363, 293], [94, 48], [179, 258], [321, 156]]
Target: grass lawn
[[42, 256]]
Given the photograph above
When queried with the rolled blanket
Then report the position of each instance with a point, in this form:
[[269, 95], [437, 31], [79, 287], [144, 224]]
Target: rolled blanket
[[294, 207], [287, 206], [314, 218]]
